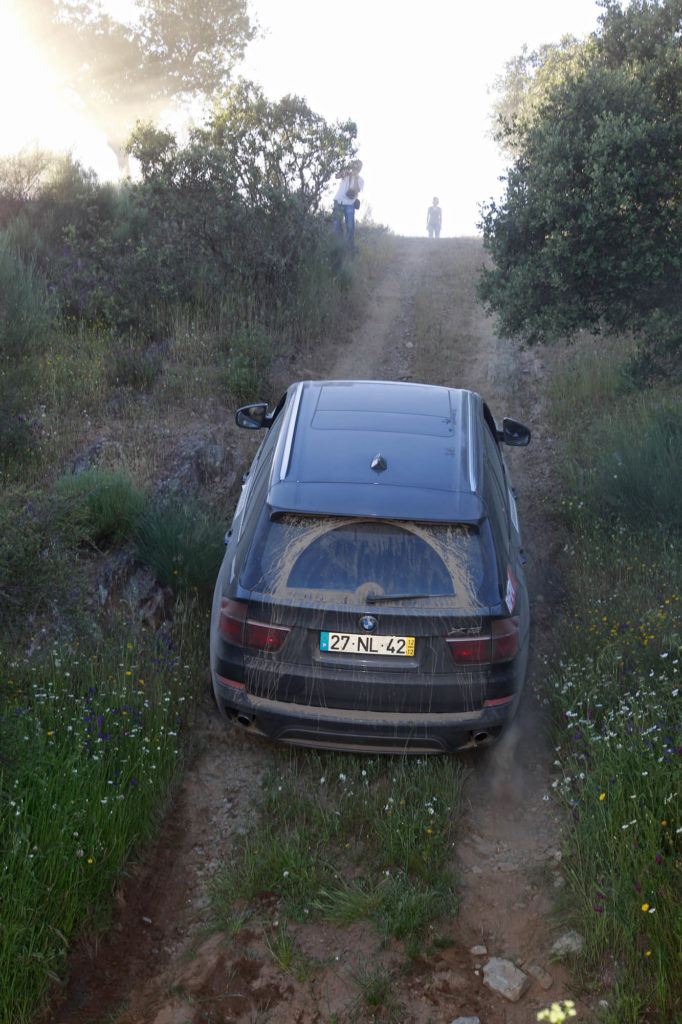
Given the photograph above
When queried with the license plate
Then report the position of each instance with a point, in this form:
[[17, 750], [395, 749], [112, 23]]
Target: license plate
[[360, 643]]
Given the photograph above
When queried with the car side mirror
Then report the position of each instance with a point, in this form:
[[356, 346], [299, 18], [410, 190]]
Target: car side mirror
[[514, 433], [253, 417]]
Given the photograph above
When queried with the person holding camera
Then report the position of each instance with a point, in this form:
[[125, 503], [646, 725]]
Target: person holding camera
[[346, 201]]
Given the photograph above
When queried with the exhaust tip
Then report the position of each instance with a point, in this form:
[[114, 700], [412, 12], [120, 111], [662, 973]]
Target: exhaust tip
[[245, 720], [480, 737]]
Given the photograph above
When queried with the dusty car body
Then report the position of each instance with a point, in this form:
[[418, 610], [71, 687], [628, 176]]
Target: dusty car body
[[372, 594]]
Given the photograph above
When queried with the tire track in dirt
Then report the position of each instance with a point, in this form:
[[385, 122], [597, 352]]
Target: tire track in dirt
[[155, 966]]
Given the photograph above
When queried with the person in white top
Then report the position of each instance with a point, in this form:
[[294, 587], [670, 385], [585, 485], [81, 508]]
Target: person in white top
[[434, 219], [346, 201]]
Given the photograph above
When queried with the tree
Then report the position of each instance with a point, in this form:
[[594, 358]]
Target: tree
[[120, 71], [250, 181], [588, 232]]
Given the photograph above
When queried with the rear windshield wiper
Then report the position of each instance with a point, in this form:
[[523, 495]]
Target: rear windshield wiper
[[379, 598]]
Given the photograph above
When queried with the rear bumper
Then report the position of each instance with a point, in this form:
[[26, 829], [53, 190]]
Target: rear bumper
[[338, 729]]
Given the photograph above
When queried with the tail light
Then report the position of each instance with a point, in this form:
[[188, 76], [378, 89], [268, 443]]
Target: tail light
[[241, 631], [500, 644]]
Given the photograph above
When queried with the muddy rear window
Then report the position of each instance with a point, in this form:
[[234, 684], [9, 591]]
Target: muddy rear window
[[339, 559]]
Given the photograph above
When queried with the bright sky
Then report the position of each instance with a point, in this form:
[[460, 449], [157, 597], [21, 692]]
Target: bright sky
[[415, 78]]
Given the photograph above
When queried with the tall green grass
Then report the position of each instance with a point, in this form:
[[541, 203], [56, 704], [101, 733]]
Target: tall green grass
[[91, 743], [616, 688], [183, 542], [26, 311]]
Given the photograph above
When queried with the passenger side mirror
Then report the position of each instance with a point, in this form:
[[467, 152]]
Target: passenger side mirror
[[253, 417], [514, 433]]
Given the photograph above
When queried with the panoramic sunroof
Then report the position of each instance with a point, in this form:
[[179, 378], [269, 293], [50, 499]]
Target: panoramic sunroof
[[393, 408]]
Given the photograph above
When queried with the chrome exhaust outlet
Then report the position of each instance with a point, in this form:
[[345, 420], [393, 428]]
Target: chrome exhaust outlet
[[245, 720], [480, 737]]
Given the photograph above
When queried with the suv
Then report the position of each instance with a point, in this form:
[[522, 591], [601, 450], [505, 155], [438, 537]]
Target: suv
[[372, 594]]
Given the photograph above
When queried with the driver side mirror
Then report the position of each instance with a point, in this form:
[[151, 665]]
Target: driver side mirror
[[514, 433], [253, 417]]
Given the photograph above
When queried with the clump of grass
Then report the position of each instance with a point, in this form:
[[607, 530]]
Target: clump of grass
[[284, 951], [350, 839], [97, 506], [133, 366], [375, 989], [184, 544]]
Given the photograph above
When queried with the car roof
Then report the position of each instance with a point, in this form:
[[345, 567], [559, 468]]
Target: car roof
[[384, 449]]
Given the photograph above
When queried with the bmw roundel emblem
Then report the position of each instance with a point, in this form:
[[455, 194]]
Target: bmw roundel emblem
[[368, 623]]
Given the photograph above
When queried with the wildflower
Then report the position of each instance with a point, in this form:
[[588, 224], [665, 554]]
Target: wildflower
[[556, 1014], [602, 796], [645, 907]]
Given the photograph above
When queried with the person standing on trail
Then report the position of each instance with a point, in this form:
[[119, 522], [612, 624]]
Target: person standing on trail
[[346, 201], [434, 218]]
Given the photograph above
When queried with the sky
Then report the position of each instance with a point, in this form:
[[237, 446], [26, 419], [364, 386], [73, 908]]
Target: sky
[[416, 79]]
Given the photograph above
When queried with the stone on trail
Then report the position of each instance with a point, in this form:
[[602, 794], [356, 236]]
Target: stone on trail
[[505, 978], [571, 942]]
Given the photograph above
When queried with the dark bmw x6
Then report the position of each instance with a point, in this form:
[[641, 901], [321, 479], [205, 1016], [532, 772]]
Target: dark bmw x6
[[372, 594]]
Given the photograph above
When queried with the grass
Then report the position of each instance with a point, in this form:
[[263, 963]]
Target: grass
[[97, 506], [93, 733], [183, 542], [92, 741], [616, 693], [347, 839]]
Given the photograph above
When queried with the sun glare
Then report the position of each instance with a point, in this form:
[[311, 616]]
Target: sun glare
[[33, 112]]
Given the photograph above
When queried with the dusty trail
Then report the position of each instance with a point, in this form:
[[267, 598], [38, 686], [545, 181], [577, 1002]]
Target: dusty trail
[[155, 966]]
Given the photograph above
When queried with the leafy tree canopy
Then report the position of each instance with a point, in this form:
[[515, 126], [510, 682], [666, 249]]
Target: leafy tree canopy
[[588, 233], [119, 71], [258, 152]]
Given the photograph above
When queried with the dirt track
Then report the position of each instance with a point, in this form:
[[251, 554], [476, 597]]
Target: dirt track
[[156, 966]]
